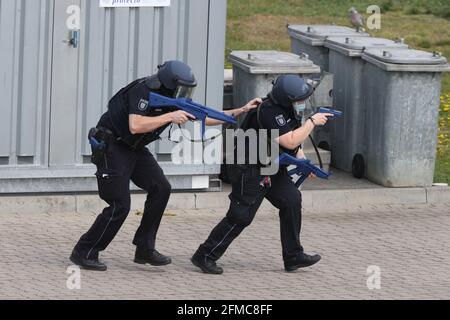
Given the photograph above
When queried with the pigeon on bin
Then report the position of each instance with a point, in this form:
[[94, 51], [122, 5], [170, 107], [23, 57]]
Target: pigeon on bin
[[356, 19]]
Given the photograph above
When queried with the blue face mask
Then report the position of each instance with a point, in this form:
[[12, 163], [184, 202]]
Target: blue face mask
[[299, 108]]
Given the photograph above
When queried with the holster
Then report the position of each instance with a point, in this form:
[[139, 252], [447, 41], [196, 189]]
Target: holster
[[100, 138]]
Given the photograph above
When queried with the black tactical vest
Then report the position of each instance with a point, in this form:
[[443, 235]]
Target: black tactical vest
[[256, 113], [118, 114]]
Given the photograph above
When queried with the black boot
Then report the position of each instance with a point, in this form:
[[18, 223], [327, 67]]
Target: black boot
[[87, 264], [152, 257], [302, 260], [207, 265]]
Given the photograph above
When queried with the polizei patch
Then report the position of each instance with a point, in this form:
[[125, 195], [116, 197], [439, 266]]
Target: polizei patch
[[281, 120], [143, 105]]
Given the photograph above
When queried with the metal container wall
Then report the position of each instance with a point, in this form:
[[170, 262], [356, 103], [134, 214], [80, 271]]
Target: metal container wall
[[53, 93], [401, 91], [25, 73], [348, 142], [310, 39]]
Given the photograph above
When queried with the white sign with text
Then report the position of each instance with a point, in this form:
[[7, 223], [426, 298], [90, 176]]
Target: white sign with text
[[133, 3]]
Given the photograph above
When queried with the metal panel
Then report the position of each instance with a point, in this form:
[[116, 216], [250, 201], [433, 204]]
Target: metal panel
[[216, 47], [116, 47], [52, 93], [24, 80], [185, 39], [63, 133], [7, 24]]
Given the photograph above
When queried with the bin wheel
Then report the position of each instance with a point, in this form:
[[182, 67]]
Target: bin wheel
[[358, 166]]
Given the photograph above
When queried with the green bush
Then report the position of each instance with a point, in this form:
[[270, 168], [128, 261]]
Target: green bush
[[412, 10], [442, 43], [426, 44], [386, 5], [445, 12]]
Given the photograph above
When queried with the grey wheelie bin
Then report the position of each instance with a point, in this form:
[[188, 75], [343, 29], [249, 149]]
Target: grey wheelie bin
[[310, 39], [401, 92], [254, 71], [347, 135]]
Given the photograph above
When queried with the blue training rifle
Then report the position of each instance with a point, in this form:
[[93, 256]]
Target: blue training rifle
[[304, 168], [334, 112], [199, 111]]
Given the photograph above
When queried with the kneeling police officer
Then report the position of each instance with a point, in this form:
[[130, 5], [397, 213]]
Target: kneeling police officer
[[281, 111], [119, 151]]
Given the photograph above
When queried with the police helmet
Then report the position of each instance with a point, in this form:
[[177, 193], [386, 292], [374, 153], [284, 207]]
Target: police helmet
[[178, 78], [288, 89]]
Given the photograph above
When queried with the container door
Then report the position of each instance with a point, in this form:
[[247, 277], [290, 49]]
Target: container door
[[64, 103]]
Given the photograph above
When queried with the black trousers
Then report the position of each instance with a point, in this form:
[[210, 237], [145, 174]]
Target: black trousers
[[116, 169], [246, 197]]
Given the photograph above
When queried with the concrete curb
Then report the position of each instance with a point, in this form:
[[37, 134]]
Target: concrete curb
[[438, 195], [318, 200]]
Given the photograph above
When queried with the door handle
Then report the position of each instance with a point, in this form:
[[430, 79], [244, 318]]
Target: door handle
[[74, 38]]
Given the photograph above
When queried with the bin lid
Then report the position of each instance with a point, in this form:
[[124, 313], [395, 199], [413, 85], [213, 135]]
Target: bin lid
[[316, 35], [396, 59], [354, 46], [272, 62]]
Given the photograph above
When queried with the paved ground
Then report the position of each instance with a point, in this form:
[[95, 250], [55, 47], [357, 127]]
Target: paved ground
[[410, 245]]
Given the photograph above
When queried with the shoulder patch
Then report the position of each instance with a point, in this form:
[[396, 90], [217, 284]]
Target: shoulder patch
[[281, 120], [143, 105]]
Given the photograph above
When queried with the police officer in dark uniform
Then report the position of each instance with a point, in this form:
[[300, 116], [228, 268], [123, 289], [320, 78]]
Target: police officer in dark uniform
[[281, 111], [119, 151]]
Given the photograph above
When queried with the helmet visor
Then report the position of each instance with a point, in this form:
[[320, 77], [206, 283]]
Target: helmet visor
[[184, 92], [299, 109]]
